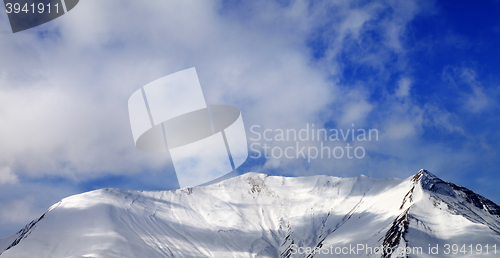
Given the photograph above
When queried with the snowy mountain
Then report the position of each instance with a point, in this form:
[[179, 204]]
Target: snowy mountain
[[256, 215]]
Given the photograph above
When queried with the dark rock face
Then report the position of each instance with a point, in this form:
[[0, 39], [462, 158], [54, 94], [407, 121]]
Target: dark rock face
[[434, 184]]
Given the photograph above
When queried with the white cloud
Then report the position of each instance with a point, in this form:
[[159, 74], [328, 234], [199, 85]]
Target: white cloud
[[355, 112], [477, 101], [475, 98], [404, 85], [64, 112], [400, 130], [7, 177], [440, 118]]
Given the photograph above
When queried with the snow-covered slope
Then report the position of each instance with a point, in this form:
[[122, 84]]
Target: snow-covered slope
[[256, 215]]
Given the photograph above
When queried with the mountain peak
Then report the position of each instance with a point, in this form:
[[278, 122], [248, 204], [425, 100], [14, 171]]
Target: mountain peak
[[426, 173], [426, 179], [433, 184]]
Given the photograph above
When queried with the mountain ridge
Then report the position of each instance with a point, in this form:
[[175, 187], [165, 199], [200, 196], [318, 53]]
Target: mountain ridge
[[258, 215]]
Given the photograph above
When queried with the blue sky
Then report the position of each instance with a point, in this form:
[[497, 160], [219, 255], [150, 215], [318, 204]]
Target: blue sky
[[423, 73]]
